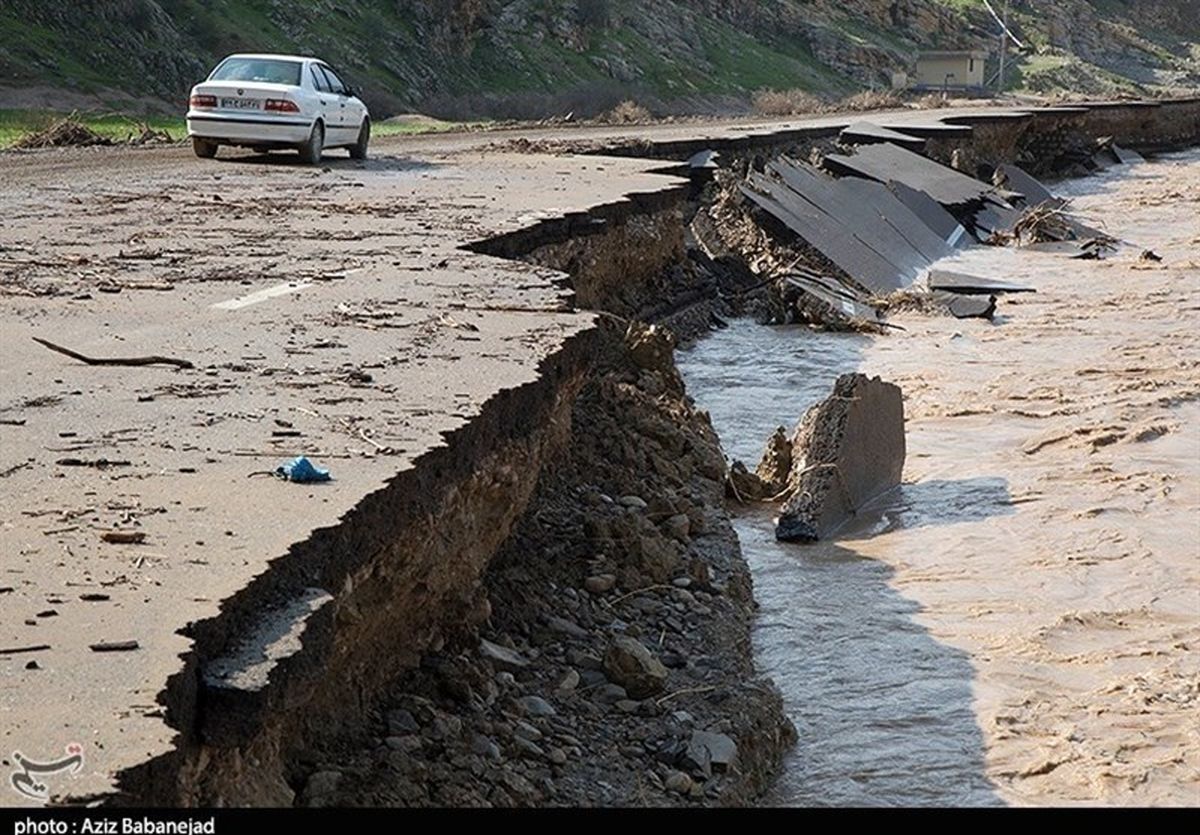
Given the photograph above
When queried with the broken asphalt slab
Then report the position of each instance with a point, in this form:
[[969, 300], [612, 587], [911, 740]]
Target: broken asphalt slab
[[848, 450]]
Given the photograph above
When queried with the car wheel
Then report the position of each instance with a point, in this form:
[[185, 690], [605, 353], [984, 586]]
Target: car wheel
[[203, 148], [359, 149], [310, 151]]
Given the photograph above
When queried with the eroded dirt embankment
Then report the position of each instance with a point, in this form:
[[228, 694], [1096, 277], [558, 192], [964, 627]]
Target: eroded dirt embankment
[[406, 577], [615, 665], [616, 668]]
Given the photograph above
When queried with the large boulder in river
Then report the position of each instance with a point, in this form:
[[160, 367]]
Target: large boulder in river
[[847, 450]]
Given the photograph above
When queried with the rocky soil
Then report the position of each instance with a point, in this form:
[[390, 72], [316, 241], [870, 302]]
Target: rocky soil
[[615, 667]]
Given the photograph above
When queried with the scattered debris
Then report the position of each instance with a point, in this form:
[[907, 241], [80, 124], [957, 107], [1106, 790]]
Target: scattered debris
[[113, 646], [1018, 180], [63, 133], [1092, 249], [446, 320], [838, 307], [14, 468], [98, 463], [302, 471], [1043, 222], [967, 306], [94, 597], [124, 537], [19, 650], [970, 285], [1047, 227], [146, 135], [1150, 255], [150, 360]]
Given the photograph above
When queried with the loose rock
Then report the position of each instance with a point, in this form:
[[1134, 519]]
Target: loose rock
[[320, 788], [678, 527], [401, 722], [569, 681], [711, 751], [631, 665], [485, 747], [502, 657], [536, 706], [600, 583], [678, 782]]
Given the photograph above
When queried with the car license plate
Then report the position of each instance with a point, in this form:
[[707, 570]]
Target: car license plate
[[240, 104]]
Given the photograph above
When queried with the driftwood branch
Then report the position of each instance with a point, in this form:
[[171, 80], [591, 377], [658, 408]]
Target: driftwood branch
[[151, 360]]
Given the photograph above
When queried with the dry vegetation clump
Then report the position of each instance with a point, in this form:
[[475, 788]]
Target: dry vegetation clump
[[627, 112], [785, 102], [932, 101], [871, 100], [63, 133]]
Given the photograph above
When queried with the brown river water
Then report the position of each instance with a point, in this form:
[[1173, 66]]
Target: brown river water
[[1020, 622]]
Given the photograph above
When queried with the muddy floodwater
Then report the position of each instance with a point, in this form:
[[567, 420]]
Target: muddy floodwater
[[1020, 622]]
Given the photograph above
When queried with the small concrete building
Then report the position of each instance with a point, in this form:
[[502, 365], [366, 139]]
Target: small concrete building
[[951, 70]]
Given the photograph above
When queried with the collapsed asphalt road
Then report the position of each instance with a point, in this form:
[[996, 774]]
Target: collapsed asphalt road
[[165, 598]]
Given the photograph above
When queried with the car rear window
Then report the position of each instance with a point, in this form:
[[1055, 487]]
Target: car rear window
[[268, 70]]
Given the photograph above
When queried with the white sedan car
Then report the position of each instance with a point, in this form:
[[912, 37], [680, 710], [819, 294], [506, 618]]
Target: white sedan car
[[277, 101]]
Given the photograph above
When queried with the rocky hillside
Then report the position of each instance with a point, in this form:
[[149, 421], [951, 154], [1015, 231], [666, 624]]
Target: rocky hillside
[[533, 57]]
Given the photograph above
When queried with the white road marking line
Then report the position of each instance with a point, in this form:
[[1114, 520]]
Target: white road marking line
[[260, 296]]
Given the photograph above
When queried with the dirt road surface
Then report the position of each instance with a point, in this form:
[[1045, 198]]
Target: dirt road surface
[[328, 312]]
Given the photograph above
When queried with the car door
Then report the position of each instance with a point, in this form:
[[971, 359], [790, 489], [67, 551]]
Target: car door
[[347, 115], [330, 109]]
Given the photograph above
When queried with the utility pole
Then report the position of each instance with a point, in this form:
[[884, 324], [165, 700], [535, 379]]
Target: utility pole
[[1003, 49], [1005, 36]]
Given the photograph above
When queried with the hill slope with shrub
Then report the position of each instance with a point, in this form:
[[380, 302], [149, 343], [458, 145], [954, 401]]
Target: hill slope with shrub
[[526, 58]]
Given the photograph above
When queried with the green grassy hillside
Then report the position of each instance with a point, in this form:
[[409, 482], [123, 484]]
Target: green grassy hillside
[[528, 58]]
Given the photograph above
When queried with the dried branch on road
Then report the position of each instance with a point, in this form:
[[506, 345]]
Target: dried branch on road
[[150, 360]]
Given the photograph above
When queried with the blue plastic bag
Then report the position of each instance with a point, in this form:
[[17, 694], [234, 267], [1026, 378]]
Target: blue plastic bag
[[302, 471]]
